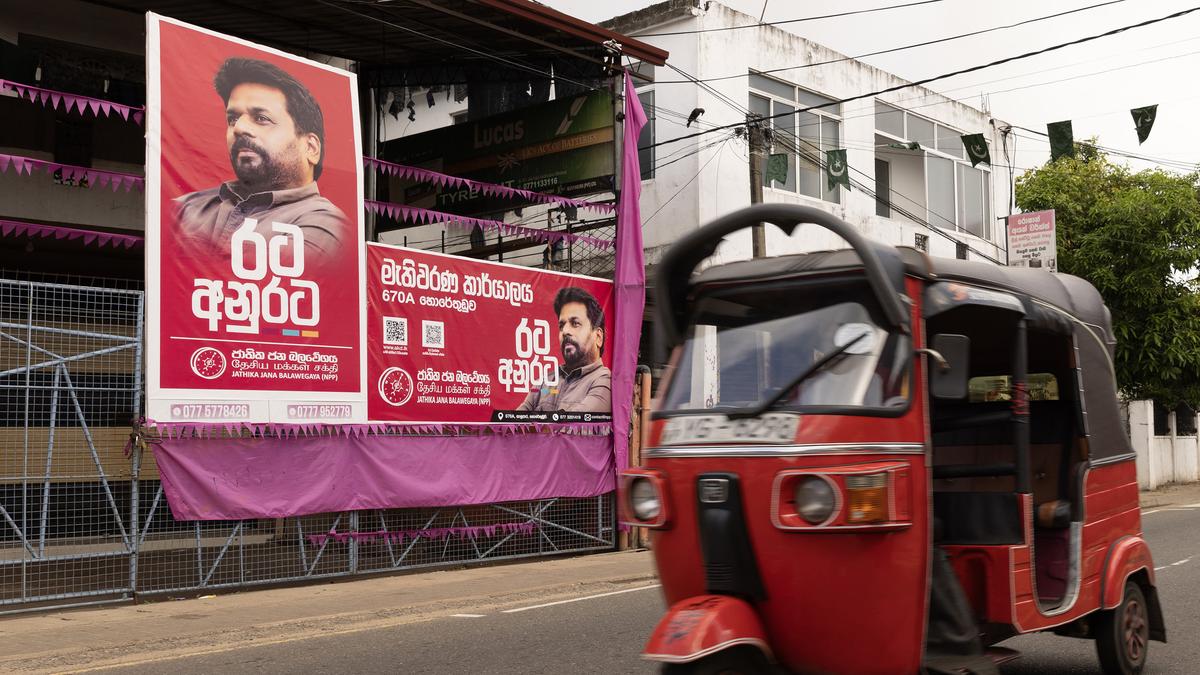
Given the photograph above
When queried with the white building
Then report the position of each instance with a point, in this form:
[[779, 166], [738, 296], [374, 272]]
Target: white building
[[937, 200]]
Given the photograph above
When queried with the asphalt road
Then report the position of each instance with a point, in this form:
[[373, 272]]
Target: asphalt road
[[601, 634]]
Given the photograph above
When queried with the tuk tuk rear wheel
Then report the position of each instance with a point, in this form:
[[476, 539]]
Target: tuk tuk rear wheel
[[735, 661], [1123, 634]]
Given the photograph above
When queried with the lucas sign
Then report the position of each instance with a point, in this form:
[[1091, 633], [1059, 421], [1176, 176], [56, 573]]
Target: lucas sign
[[254, 231], [1031, 241], [464, 341]]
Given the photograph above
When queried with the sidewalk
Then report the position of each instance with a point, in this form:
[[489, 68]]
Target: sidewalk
[[82, 640], [1181, 494]]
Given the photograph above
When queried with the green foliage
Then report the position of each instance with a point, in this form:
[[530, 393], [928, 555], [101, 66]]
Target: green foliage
[[1136, 238]]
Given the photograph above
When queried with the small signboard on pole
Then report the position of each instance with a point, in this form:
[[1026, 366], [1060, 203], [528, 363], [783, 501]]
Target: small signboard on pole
[[1032, 241]]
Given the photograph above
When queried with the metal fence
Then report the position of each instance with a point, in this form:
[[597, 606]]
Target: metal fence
[[85, 520]]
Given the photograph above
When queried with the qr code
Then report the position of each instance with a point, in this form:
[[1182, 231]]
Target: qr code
[[433, 334], [395, 331]]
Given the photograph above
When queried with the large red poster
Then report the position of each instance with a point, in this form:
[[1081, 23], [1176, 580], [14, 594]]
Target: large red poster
[[254, 233], [457, 340]]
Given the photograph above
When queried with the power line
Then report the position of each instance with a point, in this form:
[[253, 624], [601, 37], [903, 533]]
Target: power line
[[943, 76], [662, 206], [787, 21], [926, 43]]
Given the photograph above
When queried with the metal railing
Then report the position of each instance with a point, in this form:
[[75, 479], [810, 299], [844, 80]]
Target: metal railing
[[85, 520]]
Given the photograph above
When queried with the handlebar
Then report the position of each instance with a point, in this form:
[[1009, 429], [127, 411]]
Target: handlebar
[[675, 269]]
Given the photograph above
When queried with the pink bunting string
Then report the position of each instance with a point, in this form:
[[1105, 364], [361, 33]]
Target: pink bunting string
[[101, 239], [54, 98], [95, 177], [487, 189], [421, 216], [398, 536]]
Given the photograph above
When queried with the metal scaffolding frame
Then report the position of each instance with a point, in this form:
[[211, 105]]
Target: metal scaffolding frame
[[86, 520]]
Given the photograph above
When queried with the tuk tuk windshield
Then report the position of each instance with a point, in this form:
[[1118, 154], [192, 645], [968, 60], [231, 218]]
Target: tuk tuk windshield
[[816, 348]]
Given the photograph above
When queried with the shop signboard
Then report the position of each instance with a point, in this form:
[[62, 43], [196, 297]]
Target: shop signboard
[[457, 340], [1031, 241], [254, 230]]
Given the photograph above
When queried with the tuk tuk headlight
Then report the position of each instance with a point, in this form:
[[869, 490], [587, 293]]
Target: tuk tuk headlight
[[815, 499], [644, 499]]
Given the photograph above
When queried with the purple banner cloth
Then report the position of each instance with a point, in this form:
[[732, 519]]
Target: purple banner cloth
[[231, 479], [630, 277]]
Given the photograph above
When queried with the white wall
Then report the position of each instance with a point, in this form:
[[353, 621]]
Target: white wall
[[1161, 459]]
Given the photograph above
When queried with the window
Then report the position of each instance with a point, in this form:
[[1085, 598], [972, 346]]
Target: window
[[646, 138], [883, 188], [972, 209], [960, 250], [958, 196], [803, 135], [989, 388]]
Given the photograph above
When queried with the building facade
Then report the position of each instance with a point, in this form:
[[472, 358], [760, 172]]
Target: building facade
[[926, 195]]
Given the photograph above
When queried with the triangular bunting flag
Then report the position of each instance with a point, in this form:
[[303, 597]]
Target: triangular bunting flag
[[1062, 139], [1143, 121], [977, 149], [837, 171]]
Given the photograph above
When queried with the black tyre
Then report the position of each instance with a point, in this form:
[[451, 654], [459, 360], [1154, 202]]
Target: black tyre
[[736, 661], [1123, 634]]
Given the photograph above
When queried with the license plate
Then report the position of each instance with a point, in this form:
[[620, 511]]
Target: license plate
[[769, 428]]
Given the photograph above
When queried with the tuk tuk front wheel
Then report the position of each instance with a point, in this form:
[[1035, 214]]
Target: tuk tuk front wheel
[[735, 661], [1123, 634]]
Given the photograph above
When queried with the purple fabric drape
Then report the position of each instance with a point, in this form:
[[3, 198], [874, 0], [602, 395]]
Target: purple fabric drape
[[231, 479], [630, 277]]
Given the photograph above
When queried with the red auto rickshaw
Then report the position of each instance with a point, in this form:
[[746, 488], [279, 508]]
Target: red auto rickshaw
[[873, 461]]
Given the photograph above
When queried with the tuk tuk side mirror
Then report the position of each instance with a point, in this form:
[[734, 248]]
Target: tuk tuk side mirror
[[948, 376]]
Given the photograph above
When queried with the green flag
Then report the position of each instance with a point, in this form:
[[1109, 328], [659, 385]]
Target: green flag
[[836, 169], [1062, 139], [1143, 120], [777, 168], [977, 149]]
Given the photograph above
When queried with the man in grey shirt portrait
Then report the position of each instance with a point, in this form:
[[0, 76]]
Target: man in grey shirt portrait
[[275, 135], [584, 383]]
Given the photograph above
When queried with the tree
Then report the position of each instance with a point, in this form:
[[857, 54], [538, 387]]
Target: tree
[[1136, 237]]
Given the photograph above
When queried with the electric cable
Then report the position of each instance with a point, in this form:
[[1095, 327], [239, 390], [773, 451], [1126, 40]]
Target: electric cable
[[962, 71], [909, 46]]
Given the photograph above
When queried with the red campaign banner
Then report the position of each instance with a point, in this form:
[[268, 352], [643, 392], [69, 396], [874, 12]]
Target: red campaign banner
[[254, 233], [456, 340]]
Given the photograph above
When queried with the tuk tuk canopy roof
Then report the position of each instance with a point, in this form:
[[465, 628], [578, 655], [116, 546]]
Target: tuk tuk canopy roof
[[1041, 292]]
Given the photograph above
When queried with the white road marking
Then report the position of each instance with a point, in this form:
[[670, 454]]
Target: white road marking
[[1192, 506], [586, 597], [1176, 563], [469, 616]]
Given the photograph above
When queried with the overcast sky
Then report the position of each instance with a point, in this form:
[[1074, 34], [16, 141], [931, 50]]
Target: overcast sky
[[1155, 64]]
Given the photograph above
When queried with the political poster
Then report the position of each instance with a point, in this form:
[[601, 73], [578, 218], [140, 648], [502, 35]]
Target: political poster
[[1031, 241], [457, 340], [254, 231]]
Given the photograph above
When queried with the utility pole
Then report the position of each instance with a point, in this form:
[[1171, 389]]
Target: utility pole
[[758, 154]]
